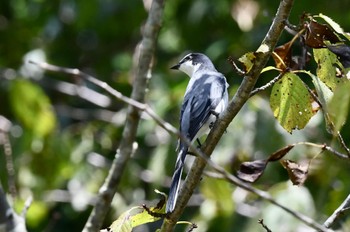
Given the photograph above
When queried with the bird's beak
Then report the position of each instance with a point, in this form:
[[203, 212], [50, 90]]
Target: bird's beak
[[175, 66]]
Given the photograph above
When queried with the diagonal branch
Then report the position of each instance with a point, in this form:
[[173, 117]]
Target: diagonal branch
[[233, 108], [132, 102], [338, 213]]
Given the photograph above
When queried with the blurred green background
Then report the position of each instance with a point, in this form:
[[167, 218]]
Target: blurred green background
[[64, 131]]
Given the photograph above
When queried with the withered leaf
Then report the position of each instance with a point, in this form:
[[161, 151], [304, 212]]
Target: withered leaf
[[252, 170], [316, 33], [283, 56], [297, 172], [280, 153], [343, 53]]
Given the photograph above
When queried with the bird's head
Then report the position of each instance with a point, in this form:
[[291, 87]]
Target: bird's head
[[192, 62]]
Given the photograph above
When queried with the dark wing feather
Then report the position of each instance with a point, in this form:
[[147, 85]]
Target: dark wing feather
[[198, 104]]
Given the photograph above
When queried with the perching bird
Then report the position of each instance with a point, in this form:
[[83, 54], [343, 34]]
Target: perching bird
[[205, 98]]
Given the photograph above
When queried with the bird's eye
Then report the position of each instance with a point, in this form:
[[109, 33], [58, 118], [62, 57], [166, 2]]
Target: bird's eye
[[188, 58]]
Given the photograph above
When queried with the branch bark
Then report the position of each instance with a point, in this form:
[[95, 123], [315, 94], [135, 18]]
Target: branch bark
[[338, 213], [9, 220], [241, 96], [125, 149]]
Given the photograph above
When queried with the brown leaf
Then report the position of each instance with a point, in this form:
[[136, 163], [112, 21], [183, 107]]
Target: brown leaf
[[280, 153], [296, 172], [251, 171], [316, 33], [283, 56]]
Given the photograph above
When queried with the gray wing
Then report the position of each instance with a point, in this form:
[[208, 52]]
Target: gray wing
[[207, 91]]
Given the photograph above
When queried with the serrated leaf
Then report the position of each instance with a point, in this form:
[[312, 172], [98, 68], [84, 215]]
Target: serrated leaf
[[290, 102], [338, 108], [32, 107], [326, 67]]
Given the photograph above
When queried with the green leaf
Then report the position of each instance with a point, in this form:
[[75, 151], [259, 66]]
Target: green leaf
[[326, 71], [32, 107], [123, 223], [339, 106], [325, 96], [291, 102], [323, 91], [138, 216]]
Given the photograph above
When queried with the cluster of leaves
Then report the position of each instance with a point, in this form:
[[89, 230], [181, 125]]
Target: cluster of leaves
[[292, 101]]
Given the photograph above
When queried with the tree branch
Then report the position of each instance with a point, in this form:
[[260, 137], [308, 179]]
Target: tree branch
[[130, 101], [125, 149], [9, 220], [241, 96], [338, 213]]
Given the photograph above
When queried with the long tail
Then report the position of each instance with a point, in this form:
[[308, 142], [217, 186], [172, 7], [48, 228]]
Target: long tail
[[175, 182]]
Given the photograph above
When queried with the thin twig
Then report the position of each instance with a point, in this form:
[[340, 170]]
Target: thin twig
[[264, 195], [261, 222], [329, 122], [140, 106], [342, 142], [268, 85], [337, 213], [326, 148], [235, 67]]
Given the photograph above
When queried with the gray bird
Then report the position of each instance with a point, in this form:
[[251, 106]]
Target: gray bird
[[205, 98]]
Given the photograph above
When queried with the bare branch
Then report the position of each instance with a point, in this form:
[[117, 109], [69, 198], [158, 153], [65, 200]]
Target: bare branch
[[339, 212], [261, 222], [139, 105], [5, 126], [9, 220], [326, 148], [235, 105]]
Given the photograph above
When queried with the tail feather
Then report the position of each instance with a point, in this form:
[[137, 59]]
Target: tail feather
[[176, 180]]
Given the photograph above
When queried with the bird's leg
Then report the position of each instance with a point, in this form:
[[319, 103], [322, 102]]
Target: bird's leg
[[216, 114], [199, 146]]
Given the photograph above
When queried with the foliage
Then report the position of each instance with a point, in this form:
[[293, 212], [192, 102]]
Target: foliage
[[64, 139]]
